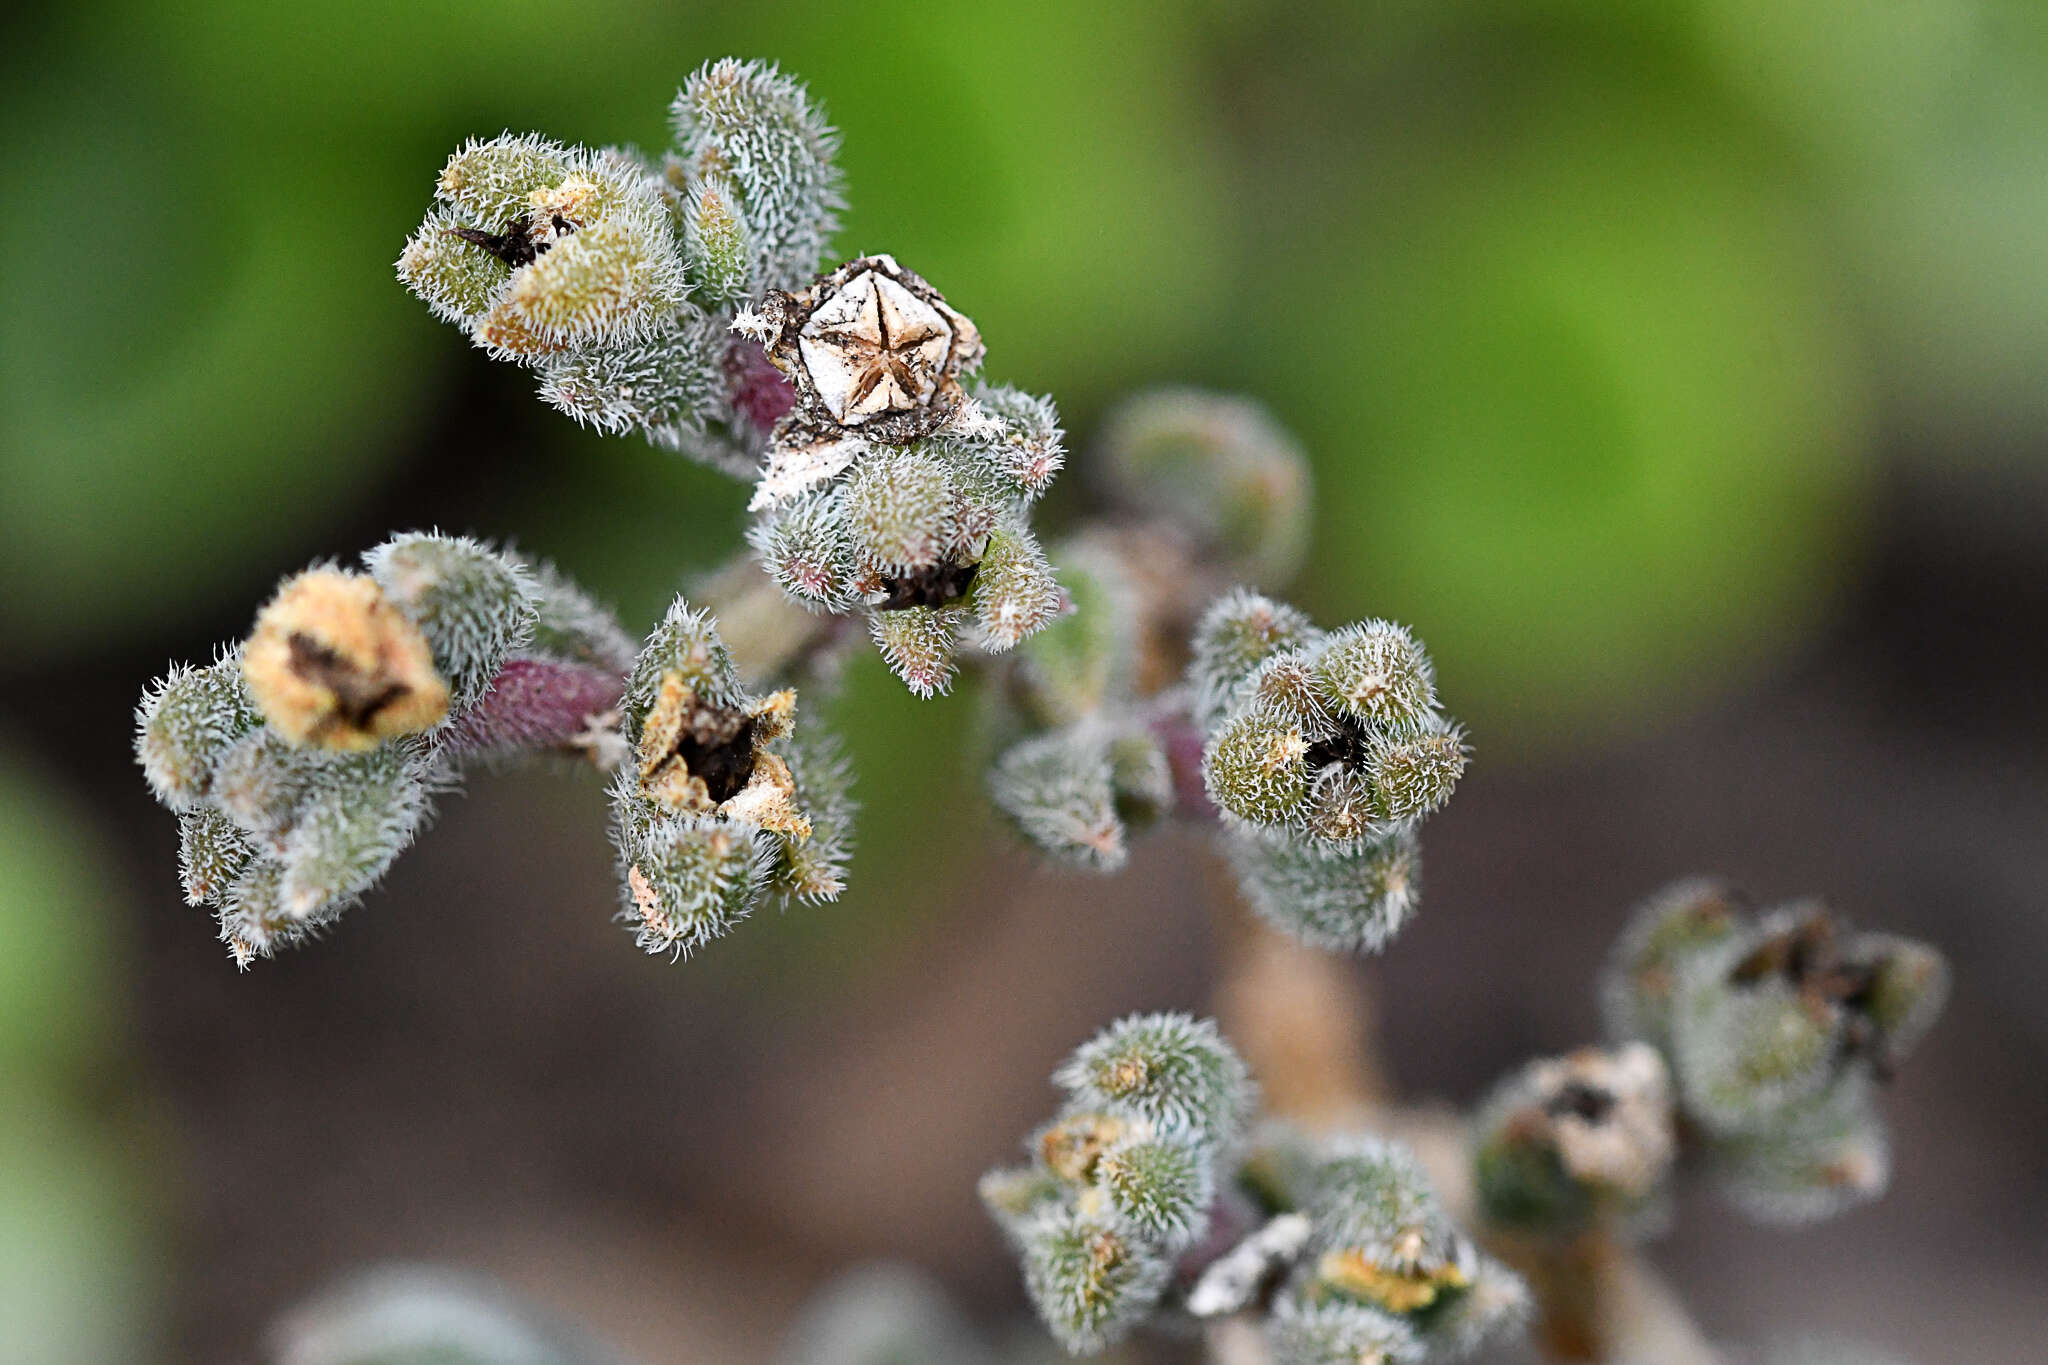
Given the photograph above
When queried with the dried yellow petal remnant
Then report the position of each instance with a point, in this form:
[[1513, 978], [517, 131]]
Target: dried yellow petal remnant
[[1398, 1289], [1071, 1147], [696, 757], [333, 664]]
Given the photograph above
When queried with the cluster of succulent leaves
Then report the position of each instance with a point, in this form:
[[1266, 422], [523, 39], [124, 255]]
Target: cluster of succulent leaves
[[722, 801], [301, 762], [1319, 752], [1150, 1200], [1776, 1027], [615, 278], [681, 301], [1209, 489], [1082, 762], [1754, 1039], [1323, 751], [929, 539]]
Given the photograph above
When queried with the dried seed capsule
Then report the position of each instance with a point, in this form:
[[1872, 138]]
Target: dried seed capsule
[[1570, 1139], [871, 348]]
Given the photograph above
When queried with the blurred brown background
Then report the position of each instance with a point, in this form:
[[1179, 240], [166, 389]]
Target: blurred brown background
[[1680, 371]]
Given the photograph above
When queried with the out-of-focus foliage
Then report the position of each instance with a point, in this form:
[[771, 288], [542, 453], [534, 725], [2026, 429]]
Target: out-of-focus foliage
[[73, 1236]]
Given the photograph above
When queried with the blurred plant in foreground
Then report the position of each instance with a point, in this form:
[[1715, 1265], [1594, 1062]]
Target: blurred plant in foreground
[[1749, 1046]]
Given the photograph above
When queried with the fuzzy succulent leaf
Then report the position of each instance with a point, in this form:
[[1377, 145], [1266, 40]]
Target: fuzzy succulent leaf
[[1018, 436], [718, 248], [457, 282], [407, 1315], [666, 386], [212, 851], [1174, 1071], [1238, 632], [809, 550], [1494, 1303], [1015, 594], [184, 724], [1908, 986], [685, 643], [1814, 1161], [1348, 898], [253, 920], [1059, 790], [1256, 766], [748, 121], [1376, 673], [1643, 970], [1014, 1194], [1222, 468], [815, 869], [918, 644], [1160, 1186], [1415, 775], [259, 780], [899, 507], [358, 813], [1090, 1278], [689, 879], [492, 180], [1338, 1333], [473, 604]]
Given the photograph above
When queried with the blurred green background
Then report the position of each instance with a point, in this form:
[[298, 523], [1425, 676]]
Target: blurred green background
[[1594, 315], [1607, 324]]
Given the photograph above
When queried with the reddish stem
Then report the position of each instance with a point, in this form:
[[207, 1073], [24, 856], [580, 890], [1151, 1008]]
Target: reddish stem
[[534, 703]]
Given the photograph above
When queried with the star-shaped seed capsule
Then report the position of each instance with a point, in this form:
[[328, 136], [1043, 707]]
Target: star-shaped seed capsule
[[871, 349], [874, 348]]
